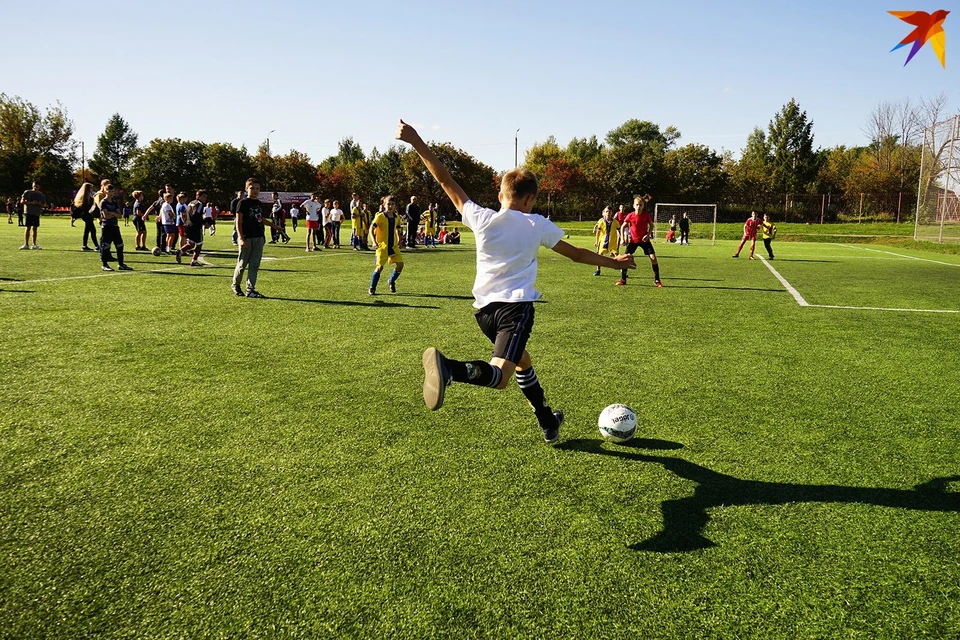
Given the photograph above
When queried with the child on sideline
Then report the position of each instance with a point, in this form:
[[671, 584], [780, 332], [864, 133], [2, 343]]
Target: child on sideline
[[386, 237], [507, 245], [637, 232], [607, 231]]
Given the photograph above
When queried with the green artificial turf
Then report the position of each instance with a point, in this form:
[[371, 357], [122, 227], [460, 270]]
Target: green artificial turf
[[179, 462]]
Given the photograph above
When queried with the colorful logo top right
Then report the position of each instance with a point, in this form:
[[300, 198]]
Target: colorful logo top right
[[928, 27]]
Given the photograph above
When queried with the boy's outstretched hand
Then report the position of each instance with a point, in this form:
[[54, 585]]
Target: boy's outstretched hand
[[626, 261], [407, 133]]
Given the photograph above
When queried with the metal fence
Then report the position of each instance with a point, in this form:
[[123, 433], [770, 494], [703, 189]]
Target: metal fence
[[938, 209]]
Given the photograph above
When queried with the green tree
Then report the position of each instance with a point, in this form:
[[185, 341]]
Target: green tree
[[225, 170], [637, 150], [115, 149], [696, 173], [169, 161], [584, 150], [293, 172], [34, 145], [794, 162]]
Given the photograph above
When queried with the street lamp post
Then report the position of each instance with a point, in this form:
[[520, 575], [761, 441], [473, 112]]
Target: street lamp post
[[516, 138], [268, 157]]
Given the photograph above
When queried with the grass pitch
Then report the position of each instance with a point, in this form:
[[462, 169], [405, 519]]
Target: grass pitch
[[179, 462]]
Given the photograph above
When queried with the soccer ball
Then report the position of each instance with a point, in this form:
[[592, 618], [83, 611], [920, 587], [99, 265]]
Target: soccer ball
[[617, 423], [156, 251]]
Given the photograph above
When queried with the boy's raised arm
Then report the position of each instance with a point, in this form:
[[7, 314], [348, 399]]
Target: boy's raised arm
[[456, 194]]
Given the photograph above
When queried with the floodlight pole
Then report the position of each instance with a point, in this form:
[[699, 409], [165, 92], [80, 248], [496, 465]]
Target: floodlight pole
[[516, 147]]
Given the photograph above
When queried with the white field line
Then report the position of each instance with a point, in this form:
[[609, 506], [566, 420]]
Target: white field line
[[803, 303], [902, 256], [131, 273], [789, 287]]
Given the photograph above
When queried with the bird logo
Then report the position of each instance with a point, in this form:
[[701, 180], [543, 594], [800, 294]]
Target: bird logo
[[928, 27]]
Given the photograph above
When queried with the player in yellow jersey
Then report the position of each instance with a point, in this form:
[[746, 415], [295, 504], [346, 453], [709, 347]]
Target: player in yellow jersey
[[607, 231], [769, 231], [429, 220], [386, 238]]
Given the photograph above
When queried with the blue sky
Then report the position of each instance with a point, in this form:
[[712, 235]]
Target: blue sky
[[469, 73]]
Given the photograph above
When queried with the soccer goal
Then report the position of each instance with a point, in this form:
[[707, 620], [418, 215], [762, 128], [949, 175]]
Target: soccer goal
[[938, 208], [703, 220]]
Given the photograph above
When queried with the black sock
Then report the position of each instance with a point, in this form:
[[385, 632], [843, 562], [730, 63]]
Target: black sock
[[477, 372], [533, 392], [623, 274], [656, 272], [119, 255]]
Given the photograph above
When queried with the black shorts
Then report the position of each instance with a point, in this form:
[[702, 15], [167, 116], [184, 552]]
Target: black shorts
[[31, 220], [507, 325], [139, 224], [195, 234], [646, 246]]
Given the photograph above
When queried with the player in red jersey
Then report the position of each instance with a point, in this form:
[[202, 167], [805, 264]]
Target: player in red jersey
[[637, 231], [749, 233]]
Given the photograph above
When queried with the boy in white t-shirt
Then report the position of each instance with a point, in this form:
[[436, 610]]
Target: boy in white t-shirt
[[311, 210], [507, 245]]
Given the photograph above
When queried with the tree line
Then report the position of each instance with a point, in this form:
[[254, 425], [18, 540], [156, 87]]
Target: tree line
[[777, 163]]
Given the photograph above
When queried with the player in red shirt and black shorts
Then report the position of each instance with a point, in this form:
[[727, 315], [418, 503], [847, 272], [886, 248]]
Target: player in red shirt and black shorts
[[637, 231], [749, 233]]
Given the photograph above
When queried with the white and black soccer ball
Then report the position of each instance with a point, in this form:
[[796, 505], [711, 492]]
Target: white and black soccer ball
[[618, 423], [156, 251]]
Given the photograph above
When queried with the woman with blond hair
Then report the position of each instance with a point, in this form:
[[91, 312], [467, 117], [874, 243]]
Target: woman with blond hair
[[82, 203]]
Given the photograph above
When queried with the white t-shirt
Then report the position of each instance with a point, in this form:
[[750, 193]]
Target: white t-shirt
[[312, 207], [294, 212], [507, 245], [336, 215], [208, 211], [326, 215], [167, 214]]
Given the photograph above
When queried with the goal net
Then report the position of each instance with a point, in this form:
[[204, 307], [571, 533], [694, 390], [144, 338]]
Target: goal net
[[938, 208], [702, 217]]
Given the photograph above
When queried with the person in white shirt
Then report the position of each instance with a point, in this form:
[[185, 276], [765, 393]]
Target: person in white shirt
[[294, 215], [336, 219], [311, 209], [327, 225], [168, 218], [208, 218], [507, 244]]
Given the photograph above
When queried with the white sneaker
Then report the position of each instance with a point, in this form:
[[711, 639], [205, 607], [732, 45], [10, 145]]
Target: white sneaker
[[34, 247], [26, 246]]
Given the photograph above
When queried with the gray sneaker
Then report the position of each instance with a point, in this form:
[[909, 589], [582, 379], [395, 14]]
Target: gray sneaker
[[436, 377]]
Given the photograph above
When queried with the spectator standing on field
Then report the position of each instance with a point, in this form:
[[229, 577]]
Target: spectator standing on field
[[685, 229], [276, 213], [110, 214], [9, 210], [412, 217], [32, 202], [233, 209], [294, 215], [82, 208], [327, 224], [138, 221], [311, 209], [250, 234], [336, 220]]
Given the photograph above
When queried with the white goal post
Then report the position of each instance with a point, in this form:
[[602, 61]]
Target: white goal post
[[938, 196], [703, 219]]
